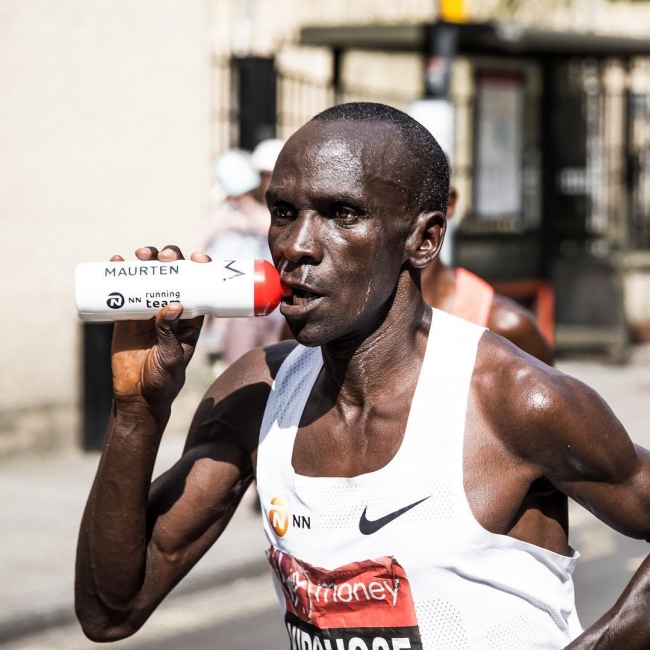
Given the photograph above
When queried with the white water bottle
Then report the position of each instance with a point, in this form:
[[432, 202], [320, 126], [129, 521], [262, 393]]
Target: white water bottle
[[109, 291]]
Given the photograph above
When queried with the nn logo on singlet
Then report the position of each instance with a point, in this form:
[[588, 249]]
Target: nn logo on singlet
[[279, 518]]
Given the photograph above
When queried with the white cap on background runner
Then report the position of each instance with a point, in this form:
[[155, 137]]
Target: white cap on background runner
[[266, 153], [235, 172]]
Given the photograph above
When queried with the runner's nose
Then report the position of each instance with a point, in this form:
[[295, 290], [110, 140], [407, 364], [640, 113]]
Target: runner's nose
[[300, 242]]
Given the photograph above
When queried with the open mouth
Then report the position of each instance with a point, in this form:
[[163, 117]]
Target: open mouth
[[301, 297], [299, 301]]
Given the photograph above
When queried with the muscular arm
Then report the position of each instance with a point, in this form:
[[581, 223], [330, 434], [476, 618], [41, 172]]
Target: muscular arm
[[610, 476], [567, 434], [138, 540], [513, 322]]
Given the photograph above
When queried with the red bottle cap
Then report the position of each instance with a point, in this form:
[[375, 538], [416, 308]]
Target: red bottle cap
[[267, 292]]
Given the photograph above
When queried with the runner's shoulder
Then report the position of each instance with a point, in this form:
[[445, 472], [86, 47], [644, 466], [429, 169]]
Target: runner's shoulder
[[258, 367], [233, 407], [525, 401]]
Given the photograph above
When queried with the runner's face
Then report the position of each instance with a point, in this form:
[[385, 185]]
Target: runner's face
[[338, 225]]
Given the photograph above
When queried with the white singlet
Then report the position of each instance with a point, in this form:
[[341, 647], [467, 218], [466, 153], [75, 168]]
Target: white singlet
[[394, 558]]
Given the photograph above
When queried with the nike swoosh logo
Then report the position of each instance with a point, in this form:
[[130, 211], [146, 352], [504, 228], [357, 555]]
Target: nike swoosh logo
[[367, 527]]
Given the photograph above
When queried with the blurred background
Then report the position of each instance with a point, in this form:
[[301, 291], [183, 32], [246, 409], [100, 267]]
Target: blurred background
[[113, 117]]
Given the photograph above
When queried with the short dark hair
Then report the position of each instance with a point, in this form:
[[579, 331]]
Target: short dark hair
[[430, 170]]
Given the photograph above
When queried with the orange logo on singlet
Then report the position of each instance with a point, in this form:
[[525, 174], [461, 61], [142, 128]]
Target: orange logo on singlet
[[279, 516]]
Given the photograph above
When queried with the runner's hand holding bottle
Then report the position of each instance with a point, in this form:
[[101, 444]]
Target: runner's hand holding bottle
[[163, 301]]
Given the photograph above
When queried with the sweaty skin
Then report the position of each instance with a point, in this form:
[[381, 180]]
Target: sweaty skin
[[352, 250], [506, 317]]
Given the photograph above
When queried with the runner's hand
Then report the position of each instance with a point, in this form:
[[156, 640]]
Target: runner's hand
[[149, 357]]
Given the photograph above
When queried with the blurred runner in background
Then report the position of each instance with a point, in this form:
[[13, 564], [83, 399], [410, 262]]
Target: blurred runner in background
[[240, 226], [238, 229], [463, 294], [263, 158]]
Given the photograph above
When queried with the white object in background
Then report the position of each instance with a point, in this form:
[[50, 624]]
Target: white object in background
[[446, 254], [112, 291], [499, 158], [437, 116], [234, 171], [266, 153]]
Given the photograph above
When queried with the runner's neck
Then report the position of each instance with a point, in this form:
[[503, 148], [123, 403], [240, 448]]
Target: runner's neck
[[361, 373]]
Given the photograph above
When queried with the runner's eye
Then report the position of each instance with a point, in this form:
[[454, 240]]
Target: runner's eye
[[345, 212], [282, 212]]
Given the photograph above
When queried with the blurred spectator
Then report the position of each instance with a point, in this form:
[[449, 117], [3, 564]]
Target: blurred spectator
[[238, 229], [264, 157], [239, 224]]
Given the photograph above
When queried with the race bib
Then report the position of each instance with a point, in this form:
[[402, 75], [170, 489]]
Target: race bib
[[360, 606]]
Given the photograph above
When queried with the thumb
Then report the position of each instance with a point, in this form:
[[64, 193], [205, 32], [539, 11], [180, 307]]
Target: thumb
[[167, 321]]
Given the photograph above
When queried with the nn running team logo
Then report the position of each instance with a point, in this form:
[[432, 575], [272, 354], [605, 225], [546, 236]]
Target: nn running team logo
[[115, 300], [279, 516]]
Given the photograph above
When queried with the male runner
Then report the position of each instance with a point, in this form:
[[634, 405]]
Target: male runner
[[412, 466], [467, 296]]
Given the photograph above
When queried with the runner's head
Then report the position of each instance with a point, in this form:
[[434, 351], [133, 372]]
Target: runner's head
[[357, 200]]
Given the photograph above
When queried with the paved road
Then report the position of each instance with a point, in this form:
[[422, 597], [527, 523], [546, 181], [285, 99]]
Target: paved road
[[240, 616], [264, 631], [608, 561]]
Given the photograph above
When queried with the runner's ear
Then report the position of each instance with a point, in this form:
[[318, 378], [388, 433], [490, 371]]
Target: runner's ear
[[424, 242]]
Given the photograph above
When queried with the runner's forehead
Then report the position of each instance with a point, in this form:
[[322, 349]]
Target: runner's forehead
[[321, 161], [344, 157]]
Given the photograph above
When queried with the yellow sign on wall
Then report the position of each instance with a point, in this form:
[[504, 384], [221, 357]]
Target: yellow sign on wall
[[455, 11]]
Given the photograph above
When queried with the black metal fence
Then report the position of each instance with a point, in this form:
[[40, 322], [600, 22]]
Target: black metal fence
[[638, 170], [299, 99]]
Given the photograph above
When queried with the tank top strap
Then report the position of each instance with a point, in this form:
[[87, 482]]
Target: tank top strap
[[449, 380], [438, 415], [286, 403], [473, 298]]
